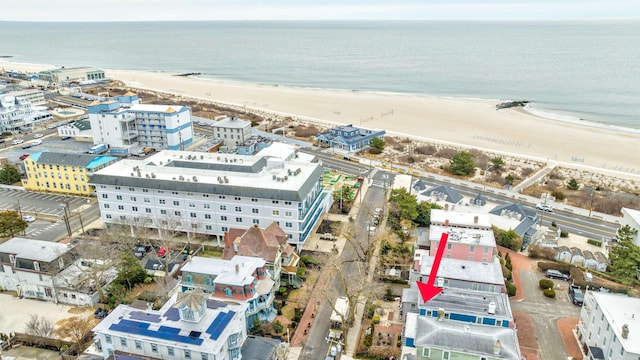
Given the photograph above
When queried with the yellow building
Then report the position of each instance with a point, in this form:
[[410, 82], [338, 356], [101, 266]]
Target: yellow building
[[63, 172]]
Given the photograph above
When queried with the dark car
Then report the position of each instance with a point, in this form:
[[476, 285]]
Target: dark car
[[577, 297], [100, 313], [65, 138], [555, 274], [140, 250], [27, 146]]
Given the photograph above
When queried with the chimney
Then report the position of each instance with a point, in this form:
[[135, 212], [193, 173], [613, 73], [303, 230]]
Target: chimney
[[497, 347], [227, 241], [440, 314], [446, 207], [237, 268], [625, 331], [475, 219], [446, 222]]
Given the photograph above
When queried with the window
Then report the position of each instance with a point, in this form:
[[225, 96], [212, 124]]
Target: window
[[123, 342], [224, 228], [275, 212], [176, 203], [426, 352], [448, 246], [288, 213], [163, 212], [154, 347], [254, 200], [256, 221], [118, 197], [133, 198], [192, 204], [138, 344], [238, 208], [192, 214], [174, 192], [120, 207], [107, 339], [275, 202], [207, 206], [187, 354], [162, 201], [254, 211], [147, 200], [208, 227], [36, 266], [147, 210], [223, 207], [106, 206], [239, 219], [486, 249], [222, 197], [145, 190], [108, 216], [472, 248], [223, 218], [134, 208], [204, 356], [105, 196], [170, 351], [237, 198], [132, 189], [288, 224], [207, 216], [177, 213]]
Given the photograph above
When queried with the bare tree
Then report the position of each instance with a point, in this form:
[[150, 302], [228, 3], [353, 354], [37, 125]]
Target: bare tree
[[39, 326], [74, 328]]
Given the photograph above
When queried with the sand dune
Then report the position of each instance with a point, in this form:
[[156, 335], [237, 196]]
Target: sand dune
[[473, 123]]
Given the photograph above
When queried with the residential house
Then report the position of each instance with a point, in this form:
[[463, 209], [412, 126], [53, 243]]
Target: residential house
[[460, 219], [563, 254], [590, 261], [80, 130], [607, 326], [444, 193], [348, 137], [231, 130], [64, 173], [50, 271], [242, 279], [66, 75], [601, 261], [270, 245], [464, 243], [18, 114], [576, 256], [188, 326], [461, 274]]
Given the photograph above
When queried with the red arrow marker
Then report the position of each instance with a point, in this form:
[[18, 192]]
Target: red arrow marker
[[428, 291]]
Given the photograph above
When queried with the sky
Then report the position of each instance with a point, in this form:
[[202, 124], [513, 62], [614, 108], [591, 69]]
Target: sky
[[167, 10]]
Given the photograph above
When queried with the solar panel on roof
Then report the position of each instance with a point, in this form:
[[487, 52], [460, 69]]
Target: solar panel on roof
[[173, 314], [155, 334], [222, 324], [168, 330], [213, 304]]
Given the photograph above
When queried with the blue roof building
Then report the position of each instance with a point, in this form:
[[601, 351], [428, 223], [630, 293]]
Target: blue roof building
[[188, 326], [348, 137]]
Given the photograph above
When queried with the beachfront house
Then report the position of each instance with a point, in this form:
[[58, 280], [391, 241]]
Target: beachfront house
[[126, 125], [66, 75], [348, 137], [461, 274], [576, 256], [464, 243], [231, 130], [18, 114]]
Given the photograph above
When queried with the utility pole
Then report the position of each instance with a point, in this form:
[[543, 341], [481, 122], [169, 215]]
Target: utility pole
[[593, 192], [66, 218]]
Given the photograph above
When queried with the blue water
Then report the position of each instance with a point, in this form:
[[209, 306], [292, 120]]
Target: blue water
[[590, 70]]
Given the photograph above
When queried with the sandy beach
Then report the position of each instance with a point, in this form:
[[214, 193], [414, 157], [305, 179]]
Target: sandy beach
[[472, 123]]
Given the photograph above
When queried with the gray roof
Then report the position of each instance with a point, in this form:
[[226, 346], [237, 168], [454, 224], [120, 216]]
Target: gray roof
[[258, 348], [452, 196], [514, 207], [218, 189], [468, 302], [69, 159], [466, 338], [29, 249], [480, 200], [419, 185], [82, 125], [232, 167], [465, 270], [526, 227]]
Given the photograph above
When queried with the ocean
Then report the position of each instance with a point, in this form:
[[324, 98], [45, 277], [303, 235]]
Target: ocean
[[580, 71]]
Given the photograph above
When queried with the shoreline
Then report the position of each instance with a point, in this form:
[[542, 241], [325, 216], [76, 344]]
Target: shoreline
[[471, 123]]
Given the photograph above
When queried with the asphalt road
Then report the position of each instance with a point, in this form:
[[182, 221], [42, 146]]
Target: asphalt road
[[50, 142], [545, 312], [316, 346]]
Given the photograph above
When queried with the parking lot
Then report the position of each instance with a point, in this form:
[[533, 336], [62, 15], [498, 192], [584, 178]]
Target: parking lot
[[50, 141]]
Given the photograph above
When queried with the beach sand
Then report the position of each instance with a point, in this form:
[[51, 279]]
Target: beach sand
[[461, 122]]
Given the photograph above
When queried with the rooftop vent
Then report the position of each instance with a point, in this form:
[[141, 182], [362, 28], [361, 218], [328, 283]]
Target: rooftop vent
[[625, 331], [274, 177], [195, 179], [153, 175], [497, 347], [492, 308]]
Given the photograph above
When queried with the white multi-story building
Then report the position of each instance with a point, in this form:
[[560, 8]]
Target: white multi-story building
[[232, 131], [124, 124], [35, 96], [631, 217], [17, 113], [188, 326], [210, 193], [609, 326], [64, 75]]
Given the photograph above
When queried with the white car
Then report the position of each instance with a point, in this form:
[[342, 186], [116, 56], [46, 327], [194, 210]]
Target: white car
[[36, 142], [38, 136], [544, 207], [17, 142], [28, 218]]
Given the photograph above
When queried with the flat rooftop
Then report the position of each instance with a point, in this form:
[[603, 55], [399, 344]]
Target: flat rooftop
[[225, 270], [460, 219], [482, 237], [232, 122], [620, 310], [470, 271], [29, 249], [212, 173]]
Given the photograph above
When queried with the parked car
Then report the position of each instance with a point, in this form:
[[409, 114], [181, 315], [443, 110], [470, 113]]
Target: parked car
[[17, 142], [65, 138], [22, 157], [577, 297], [163, 251], [38, 136], [36, 142], [140, 250], [544, 207], [101, 313], [28, 218], [555, 274], [27, 146]]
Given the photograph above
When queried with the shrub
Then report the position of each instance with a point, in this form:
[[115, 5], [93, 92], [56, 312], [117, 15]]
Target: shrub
[[564, 233], [550, 293], [553, 224], [594, 242], [511, 289], [376, 319], [545, 284], [277, 327], [573, 184], [282, 290], [559, 195]]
